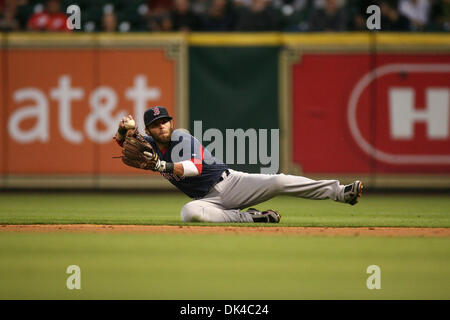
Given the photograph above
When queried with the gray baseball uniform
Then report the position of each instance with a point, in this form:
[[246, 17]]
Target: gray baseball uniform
[[239, 190]]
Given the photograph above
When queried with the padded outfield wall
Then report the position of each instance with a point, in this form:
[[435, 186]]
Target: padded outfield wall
[[373, 106]]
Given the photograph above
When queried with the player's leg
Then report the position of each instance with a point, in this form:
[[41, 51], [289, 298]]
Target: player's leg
[[208, 211], [318, 190], [242, 189], [303, 187]]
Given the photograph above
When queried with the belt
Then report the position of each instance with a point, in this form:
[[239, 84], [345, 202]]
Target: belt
[[219, 180]]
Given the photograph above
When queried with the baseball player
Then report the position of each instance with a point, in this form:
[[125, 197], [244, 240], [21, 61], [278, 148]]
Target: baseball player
[[219, 193]]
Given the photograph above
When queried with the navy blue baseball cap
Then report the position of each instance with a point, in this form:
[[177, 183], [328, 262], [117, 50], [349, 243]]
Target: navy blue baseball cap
[[154, 114]]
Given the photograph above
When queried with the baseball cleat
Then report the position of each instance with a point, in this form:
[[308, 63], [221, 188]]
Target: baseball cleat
[[253, 211], [268, 216], [352, 192]]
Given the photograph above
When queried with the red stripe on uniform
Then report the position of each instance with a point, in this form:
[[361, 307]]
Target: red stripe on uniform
[[198, 162]]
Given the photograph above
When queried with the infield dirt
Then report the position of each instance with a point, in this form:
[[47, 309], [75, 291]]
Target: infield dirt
[[314, 231]]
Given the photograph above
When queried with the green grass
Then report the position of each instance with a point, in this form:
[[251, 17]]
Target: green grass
[[211, 266], [221, 266], [373, 210]]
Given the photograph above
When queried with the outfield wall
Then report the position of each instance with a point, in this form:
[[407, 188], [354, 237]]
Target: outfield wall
[[374, 106]]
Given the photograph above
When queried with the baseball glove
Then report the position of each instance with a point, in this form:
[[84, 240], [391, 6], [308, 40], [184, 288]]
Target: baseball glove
[[138, 152]]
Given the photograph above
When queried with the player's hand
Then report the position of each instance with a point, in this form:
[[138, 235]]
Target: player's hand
[[153, 162], [127, 123]]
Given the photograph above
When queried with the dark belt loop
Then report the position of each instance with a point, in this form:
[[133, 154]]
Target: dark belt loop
[[221, 178]]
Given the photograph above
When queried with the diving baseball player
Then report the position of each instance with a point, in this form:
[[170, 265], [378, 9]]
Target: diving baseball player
[[219, 193]]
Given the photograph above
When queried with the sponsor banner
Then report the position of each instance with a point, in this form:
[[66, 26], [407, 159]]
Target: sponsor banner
[[353, 113], [64, 106], [411, 113], [321, 85]]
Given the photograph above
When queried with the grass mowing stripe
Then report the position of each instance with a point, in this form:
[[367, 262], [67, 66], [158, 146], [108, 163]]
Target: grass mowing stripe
[[154, 209], [162, 266]]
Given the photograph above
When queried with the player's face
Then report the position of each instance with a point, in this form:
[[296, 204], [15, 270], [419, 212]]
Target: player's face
[[161, 130]]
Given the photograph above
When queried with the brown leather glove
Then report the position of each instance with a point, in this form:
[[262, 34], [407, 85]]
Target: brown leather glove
[[139, 153]]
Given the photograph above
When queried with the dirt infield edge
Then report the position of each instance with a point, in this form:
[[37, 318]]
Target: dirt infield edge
[[320, 231]]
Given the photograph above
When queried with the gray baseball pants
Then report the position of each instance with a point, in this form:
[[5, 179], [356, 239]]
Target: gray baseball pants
[[239, 190]]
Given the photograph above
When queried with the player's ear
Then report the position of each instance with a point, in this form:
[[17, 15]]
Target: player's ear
[[146, 131]]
